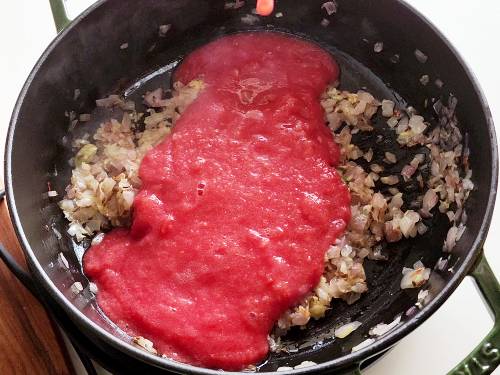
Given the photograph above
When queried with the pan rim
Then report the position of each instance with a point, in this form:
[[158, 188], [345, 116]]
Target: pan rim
[[341, 362]]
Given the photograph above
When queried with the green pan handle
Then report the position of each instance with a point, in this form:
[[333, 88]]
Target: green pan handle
[[61, 18], [485, 357]]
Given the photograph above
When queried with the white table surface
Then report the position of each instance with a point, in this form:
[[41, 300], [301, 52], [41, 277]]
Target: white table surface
[[26, 28]]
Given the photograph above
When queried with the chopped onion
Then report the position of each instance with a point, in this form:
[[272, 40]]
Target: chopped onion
[[84, 117], [368, 155], [390, 180], [62, 260], [52, 193], [345, 330], [416, 124], [394, 59], [429, 201], [420, 56], [451, 239], [392, 122], [402, 125], [375, 168], [422, 228], [97, 239], [108, 102], [144, 344], [378, 47], [424, 80], [441, 264], [249, 19], [422, 295], [164, 29], [419, 158], [390, 157], [408, 222], [407, 172], [76, 287], [330, 7], [415, 278], [324, 22], [387, 108], [93, 288]]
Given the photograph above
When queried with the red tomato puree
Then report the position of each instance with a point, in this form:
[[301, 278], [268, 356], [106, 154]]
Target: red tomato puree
[[237, 207]]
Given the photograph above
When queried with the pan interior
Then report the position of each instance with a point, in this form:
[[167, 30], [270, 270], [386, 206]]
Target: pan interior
[[384, 299], [148, 62]]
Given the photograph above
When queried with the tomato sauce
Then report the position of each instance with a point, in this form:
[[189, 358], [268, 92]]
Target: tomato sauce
[[237, 207]]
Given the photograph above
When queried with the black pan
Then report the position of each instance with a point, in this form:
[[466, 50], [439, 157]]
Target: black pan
[[86, 55]]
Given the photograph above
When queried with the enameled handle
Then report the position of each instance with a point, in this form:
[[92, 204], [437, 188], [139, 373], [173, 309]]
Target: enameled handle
[[59, 13], [485, 357]]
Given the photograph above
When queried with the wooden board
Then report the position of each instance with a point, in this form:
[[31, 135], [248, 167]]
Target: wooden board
[[29, 343]]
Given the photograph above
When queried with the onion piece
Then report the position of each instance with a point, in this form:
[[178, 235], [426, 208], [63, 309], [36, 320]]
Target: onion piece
[[345, 330], [416, 124], [420, 56], [76, 287], [144, 344], [392, 122], [416, 277], [387, 108], [407, 172], [424, 80], [84, 117], [52, 193], [429, 202], [62, 260], [164, 29], [97, 239], [390, 180], [451, 239], [324, 22], [390, 158], [378, 47], [330, 7], [408, 222], [93, 288]]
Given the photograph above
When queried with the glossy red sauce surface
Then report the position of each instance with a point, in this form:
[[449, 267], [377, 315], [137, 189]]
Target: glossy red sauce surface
[[237, 208]]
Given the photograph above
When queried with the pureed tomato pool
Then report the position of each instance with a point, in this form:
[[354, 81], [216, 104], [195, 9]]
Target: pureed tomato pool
[[237, 207]]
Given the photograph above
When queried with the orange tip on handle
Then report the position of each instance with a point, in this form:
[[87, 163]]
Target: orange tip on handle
[[265, 7]]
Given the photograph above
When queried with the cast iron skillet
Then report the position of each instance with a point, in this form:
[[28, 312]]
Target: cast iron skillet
[[87, 56]]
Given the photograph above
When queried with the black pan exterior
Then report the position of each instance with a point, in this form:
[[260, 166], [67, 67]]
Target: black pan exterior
[[87, 56]]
